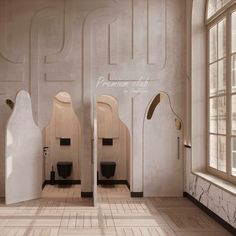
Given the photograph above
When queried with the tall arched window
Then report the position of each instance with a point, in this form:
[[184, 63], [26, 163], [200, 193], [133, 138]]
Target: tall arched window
[[221, 28]]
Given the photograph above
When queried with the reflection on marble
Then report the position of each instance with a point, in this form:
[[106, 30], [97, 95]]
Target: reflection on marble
[[216, 199]]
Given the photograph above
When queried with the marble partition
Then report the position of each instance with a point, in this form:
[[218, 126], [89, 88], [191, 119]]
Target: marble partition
[[23, 180], [220, 201]]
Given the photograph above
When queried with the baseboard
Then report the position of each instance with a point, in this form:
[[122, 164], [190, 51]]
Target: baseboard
[[44, 184], [62, 182], [87, 194], [127, 184], [136, 194], [113, 182], [218, 219]]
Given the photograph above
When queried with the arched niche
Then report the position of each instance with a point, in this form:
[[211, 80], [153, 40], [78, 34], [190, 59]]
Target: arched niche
[[107, 114], [64, 124], [110, 126]]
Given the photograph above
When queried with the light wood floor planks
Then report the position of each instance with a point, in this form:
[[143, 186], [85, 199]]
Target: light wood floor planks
[[61, 212]]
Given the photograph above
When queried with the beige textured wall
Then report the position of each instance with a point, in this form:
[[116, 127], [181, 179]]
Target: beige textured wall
[[64, 124], [110, 126], [47, 46]]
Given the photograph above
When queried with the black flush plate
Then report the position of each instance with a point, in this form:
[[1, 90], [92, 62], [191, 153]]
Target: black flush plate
[[107, 141], [64, 141]]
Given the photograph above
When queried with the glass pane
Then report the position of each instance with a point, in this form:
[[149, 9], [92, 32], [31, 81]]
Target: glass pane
[[213, 115], [222, 76], [222, 115], [234, 32], [222, 38], [214, 6], [222, 153], [233, 156], [234, 73], [213, 79], [213, 151], [211, 7], [213, 44], [233, 114]]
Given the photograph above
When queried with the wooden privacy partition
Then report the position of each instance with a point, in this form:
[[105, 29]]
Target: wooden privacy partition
[[23, 178]]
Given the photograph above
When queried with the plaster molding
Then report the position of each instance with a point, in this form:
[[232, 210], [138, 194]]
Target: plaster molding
[[113, 43], [6, 54], [152, 36], [34, 56], [12, 77], [104, 15], [67, 36], [59, 77]]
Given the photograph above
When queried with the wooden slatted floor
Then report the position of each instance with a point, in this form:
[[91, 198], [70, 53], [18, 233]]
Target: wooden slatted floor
[[62, 212]]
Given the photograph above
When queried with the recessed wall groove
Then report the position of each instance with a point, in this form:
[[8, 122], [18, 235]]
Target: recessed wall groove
[[67, 36], [7, 55]]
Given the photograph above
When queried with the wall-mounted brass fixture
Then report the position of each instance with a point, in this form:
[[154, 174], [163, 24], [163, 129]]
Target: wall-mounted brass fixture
[[10, 103], [178, 124], [154, 104]]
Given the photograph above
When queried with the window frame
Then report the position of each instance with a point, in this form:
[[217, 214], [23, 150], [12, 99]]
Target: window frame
[[225, 12], [218, 12]]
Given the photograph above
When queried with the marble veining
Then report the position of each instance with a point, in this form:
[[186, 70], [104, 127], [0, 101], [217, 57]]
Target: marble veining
[[216, 199]]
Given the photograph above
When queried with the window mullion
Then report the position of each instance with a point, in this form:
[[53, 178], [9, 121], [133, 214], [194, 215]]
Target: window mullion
[[217, 76], [228, 95]]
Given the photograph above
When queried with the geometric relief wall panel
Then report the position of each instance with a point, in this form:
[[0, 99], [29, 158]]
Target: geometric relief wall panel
[[11, 63], [12, 77], [58, 65], [156, 32], [57, 77], [148, 42]]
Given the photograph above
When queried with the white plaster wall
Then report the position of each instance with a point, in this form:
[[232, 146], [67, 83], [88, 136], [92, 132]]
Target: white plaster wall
[[47, 46], [23, 161], [163, 162], [110, 126], [64, 124]]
